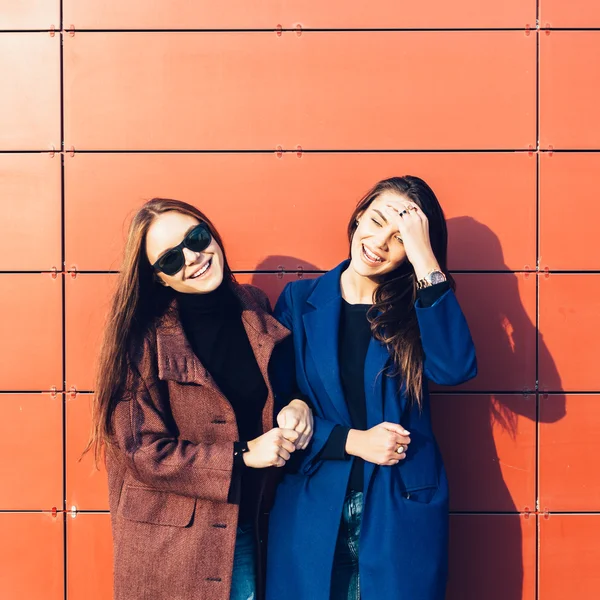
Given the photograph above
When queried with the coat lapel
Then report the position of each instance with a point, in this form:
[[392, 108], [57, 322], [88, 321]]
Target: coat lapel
[[376, 361], [322, 332], [263, 332], [177, 361]]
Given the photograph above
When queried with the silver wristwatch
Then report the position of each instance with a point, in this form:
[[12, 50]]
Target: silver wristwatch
[[432, 278]]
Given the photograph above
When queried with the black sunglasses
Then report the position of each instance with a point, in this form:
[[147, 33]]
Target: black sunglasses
[[172, 261]]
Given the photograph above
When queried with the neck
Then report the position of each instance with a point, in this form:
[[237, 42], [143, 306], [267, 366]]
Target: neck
[[357, 289], [219, 299]]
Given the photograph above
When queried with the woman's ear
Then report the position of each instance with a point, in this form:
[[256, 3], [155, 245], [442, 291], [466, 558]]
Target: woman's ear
[[160, 280], [358, 217]]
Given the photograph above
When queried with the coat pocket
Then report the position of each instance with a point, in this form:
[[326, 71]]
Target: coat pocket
[[146, 505], [423, 495]]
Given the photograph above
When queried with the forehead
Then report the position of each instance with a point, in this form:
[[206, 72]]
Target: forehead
[[387, 197], [167, 230]]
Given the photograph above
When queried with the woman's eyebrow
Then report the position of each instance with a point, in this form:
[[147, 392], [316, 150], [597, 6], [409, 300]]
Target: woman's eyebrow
[[380, 214], [171, 248]]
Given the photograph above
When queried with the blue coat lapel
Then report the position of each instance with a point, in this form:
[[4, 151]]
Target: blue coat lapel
[[322, 325], [376, 361]]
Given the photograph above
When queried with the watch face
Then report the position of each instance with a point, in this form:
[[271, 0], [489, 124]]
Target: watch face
[[437, 277]]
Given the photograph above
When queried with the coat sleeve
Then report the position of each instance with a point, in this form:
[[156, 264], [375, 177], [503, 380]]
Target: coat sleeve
[[285, 387], [447, 343], [160, 459]]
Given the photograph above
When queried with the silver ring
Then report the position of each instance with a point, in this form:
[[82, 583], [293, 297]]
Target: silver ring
[[400, 449]]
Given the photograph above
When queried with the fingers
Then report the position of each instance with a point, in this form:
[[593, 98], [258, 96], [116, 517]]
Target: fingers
[[286, 445], [407, 211], [401, 440], [283, 453], [289, 434], [395, 427], [306, 431], [281, 419], [288, 419], [304, 440]]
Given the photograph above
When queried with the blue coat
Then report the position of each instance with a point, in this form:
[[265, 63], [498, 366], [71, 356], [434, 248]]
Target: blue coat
[[404, 534]]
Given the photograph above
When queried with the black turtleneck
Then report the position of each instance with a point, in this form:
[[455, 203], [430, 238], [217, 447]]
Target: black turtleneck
[[213, 326]]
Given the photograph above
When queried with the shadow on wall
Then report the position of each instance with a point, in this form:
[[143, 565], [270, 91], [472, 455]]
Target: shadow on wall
[[487, 560]]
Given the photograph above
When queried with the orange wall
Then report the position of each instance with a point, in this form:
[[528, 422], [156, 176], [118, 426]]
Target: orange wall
[[274, 117]]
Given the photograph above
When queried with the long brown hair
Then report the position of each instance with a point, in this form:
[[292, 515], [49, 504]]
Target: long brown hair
[[138, 300], [393, 317]]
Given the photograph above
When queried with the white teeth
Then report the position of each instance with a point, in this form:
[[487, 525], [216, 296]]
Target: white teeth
[[202, 270], [370, 255]]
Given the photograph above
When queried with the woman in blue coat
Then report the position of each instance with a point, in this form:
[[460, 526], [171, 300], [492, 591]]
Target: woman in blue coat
[[363, 512]]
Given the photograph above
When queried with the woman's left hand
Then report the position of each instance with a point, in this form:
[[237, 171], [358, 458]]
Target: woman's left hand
[[297, 415], [413, 231]]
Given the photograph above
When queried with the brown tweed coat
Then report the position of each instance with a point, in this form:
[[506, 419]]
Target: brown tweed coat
[[169, 480]]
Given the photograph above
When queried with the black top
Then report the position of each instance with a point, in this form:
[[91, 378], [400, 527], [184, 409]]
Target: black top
[[213, 326], [353, 343]]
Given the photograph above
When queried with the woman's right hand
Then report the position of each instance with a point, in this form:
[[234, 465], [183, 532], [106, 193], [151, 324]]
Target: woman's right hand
[[271, 449], [380, 444]]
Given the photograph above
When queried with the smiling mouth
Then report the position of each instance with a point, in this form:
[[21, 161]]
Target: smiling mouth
[[202, 270], [370, 257]]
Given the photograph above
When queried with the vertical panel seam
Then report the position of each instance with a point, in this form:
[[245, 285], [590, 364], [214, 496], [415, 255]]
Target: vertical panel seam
[[64, 311]]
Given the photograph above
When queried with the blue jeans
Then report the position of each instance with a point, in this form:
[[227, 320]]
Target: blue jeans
[[345, 582], [243, 580]]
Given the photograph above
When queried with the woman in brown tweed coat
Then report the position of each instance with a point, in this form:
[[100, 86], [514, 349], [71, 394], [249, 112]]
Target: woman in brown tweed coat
[[185, 414]]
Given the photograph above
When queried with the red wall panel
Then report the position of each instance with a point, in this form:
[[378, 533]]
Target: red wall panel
[[272, 284], [32, 556], [569, 557], [87, 486], [567, 184], [30, 212], [568, 324], [257, 90], [31, 452], [31, 325], [30, 113], [492, 467], [568, 460], [492, 557], [88, 299], [569, 76], [261, 14], [89, 557], [29, 14], [277, 211], [575, 13]]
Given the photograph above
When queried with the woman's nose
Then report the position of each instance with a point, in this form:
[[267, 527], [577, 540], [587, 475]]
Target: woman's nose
[[381, 239], [190, 256]]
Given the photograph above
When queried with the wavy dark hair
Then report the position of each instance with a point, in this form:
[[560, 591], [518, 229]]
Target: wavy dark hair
[[393, 317], [138, 300]]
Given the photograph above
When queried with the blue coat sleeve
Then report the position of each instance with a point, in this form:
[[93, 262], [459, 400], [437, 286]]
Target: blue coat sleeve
[[285, 387], [447, 343]]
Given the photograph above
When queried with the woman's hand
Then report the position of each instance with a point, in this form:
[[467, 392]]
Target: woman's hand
[[413, 231], [297, 416], [271, 449], [384, 444]]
